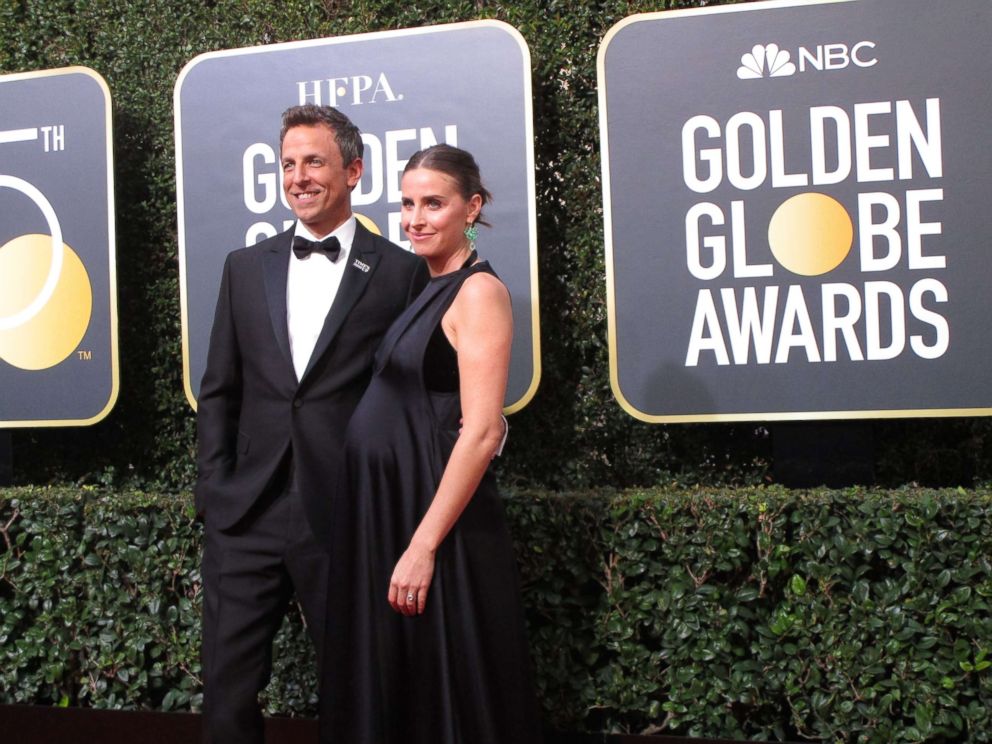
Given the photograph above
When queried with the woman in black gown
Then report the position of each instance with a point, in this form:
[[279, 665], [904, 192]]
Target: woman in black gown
[[426, 643]]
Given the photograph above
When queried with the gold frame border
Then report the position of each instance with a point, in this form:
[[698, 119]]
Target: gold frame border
[[527, 72], [609, 254], [115, 381]]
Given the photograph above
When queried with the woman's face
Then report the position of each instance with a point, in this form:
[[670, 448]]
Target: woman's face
[[434, 213]]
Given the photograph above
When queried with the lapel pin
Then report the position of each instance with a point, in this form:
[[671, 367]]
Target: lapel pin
[[361, 266]]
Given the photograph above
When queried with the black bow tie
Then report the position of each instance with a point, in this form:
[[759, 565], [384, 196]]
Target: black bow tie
[[303, 247]]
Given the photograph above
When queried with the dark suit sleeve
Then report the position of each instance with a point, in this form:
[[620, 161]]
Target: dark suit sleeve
[[418, 280], [219, 404]]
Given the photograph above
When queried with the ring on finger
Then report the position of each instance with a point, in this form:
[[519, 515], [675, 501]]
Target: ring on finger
[[409, 597]]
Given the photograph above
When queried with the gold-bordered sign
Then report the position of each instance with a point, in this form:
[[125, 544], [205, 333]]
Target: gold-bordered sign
[[58, 284], [794, 216], [405, 90]]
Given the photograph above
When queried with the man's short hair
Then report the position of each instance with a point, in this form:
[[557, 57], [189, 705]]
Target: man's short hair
[[346, 134]]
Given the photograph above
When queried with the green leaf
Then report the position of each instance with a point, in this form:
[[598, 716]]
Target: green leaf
[[798, 585]]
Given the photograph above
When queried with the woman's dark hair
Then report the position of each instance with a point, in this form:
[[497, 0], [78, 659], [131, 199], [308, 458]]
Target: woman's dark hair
[[459, 165]]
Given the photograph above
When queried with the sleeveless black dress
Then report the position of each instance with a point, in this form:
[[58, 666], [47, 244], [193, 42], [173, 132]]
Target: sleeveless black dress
[[459, 673]]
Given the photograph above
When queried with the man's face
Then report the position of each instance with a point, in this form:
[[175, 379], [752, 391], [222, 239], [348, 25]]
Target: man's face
[[316, 182]]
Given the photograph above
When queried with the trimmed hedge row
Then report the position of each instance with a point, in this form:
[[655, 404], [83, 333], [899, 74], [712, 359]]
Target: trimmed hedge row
[[762, 613]]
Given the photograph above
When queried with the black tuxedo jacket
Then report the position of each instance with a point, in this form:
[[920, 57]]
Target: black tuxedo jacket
[[252, 414]]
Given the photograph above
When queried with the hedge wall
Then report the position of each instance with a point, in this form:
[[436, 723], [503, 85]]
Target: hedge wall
[[573, 435], [750, 613]]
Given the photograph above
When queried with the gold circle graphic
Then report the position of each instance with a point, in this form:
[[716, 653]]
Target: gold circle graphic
[[368, 223], [810, 234], [55, 331]]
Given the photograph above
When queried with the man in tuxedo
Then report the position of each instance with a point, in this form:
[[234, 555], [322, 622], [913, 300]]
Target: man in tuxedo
[[298, 320]]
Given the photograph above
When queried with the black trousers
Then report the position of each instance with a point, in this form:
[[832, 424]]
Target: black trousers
[[250, 574]]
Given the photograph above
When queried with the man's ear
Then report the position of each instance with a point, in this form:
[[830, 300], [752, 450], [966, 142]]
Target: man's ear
[[354, 170]]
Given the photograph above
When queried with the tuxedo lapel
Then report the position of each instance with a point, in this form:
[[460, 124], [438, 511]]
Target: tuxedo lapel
[[362, 260], [276, 271]]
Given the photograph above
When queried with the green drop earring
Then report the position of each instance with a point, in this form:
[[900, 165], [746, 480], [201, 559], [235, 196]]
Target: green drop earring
[[471, 232]]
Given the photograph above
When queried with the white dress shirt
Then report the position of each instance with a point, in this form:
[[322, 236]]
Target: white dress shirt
[[310, 289]]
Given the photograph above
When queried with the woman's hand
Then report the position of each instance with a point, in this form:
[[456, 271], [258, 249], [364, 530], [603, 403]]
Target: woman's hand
[[411, 580]]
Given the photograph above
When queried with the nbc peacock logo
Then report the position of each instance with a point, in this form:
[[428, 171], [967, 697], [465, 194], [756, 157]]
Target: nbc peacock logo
[[772, 61], [46, 299], [766, 60]]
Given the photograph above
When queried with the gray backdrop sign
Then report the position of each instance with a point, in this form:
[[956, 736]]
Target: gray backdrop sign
[[796, 210], [58, 290], [466, 84]]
